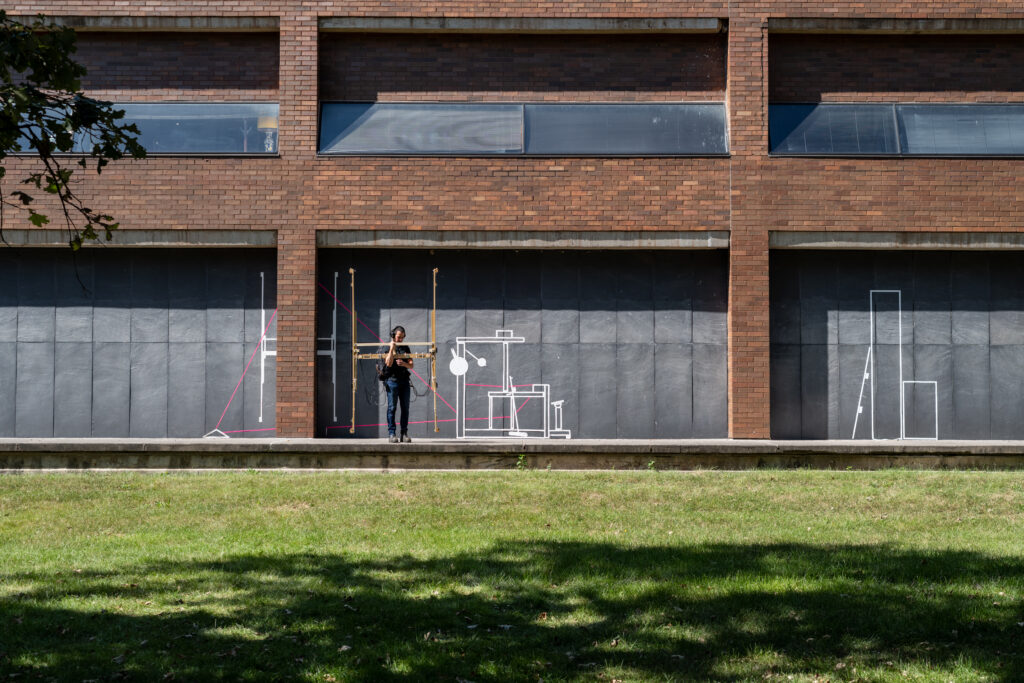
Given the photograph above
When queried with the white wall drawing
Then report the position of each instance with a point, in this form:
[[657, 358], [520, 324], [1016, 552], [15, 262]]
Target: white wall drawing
[[332, 350], [265, 350], [504, 402], [886, 331]]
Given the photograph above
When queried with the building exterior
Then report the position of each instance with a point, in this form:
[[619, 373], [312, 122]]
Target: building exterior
[[744, 219]]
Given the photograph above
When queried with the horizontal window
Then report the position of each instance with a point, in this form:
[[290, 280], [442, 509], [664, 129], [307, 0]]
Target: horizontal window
[[832, 129], [646, 129], [196, 128], [896, 129], [205, 127], [961, 130], [518, 129], [349, 128]]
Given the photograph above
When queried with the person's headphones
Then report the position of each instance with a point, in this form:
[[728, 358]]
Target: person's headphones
[[396, 330]]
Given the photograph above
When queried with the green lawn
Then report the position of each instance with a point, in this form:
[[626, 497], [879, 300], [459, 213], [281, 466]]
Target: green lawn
[[501, 576]]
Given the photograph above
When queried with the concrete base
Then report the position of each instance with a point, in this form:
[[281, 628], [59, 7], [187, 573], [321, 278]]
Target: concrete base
[[21, 455]]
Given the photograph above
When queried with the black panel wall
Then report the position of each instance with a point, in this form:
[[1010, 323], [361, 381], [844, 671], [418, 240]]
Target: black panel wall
[[936, 350], [634, 343], [136, 343]]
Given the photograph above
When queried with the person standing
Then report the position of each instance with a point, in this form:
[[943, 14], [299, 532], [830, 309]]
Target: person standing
[[395, 375]]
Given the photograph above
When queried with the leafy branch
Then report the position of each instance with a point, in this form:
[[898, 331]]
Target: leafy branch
[[44, 114]]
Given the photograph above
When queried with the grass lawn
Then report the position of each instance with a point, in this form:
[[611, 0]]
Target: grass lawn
[[518, 575]]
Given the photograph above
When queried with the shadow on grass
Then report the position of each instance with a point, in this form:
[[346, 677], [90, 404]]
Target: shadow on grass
[[523, 611]]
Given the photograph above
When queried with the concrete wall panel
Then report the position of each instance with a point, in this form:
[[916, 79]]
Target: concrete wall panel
[[8, 378], [34, 390], [611, 333], [112, 343], [957, 358], [72, 396]]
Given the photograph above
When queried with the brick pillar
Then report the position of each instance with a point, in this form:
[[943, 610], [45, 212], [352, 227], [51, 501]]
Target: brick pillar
[[749, 408], [296, 237]]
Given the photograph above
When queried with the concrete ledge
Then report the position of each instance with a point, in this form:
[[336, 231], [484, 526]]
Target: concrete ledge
[[896, 240], [159, 23], [850, 25], [148, 238], [485, 239], [19, 455], [518, 25]]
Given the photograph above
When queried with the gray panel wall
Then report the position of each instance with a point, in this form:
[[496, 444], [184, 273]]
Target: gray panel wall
[[954, 336], [132, 342], [633, 342]]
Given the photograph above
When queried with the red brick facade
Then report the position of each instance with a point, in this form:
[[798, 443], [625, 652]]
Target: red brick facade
[[749, 194]]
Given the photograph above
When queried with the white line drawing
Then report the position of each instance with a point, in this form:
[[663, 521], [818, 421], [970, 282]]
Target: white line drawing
[[264, 351], [870, 372], [332, 350], [510, 397]]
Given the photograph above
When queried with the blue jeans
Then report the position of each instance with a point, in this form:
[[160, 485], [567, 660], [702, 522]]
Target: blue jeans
[[398, 392]]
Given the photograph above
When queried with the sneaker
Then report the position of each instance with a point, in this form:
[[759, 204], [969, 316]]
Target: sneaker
[[406, 439], [393, 439]]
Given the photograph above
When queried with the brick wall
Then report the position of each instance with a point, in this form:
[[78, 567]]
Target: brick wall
[[180, 66], [466, 68], [750, 193], [908, 68]]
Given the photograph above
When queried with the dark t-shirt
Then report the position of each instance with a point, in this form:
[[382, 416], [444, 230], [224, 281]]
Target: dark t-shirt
[[396, 371]]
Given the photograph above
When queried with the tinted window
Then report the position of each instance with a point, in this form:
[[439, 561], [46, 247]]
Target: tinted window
[[840, 129], [349, 128], [204, 127], [645, 129], [562, 129], [986, 129]]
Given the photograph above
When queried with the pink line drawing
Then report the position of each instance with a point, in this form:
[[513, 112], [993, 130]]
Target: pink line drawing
[[216, 430], [330, 294], [378, 338]]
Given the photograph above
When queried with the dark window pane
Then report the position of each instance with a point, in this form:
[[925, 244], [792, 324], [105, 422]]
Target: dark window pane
[[348, 128], [840, 129], [640, 129], [981, 129], [202, 127]]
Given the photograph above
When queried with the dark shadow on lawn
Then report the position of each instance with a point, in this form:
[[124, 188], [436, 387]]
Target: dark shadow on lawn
[[560, 611]]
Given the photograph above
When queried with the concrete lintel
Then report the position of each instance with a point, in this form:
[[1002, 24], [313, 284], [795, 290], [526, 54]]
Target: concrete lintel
[[484, 239], [897, 240], [852, 25], [519, 25], [160, 23], [148, 238]]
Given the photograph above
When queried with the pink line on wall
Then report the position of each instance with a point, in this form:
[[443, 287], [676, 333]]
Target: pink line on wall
[[331, 294], [262, 337]]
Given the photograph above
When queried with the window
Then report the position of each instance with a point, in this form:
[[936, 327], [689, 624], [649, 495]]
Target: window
[[348, 128], [845, 129], [199, 128], [523, 129], [644, 129], [962, 129], [896, 129]]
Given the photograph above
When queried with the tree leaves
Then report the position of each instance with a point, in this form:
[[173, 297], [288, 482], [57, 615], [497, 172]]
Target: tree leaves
[[44, 113]]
